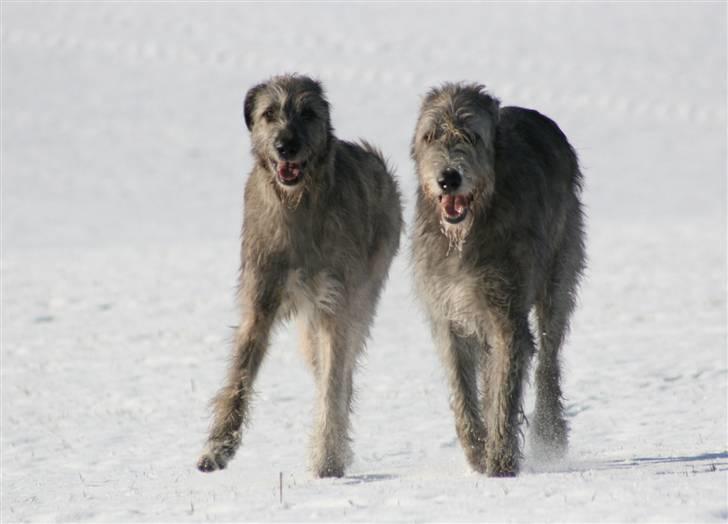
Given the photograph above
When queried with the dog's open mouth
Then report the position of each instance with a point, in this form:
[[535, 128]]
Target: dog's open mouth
[[290, 173], [455, 207]]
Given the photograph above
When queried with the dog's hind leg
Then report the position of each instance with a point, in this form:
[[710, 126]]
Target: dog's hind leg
[[550, 429], [511, 350], [309, 344], [462, 356], [231, 404], [331, 446]]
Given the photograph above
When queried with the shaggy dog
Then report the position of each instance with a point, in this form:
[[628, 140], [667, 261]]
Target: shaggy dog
[[498, 232], [322, 222]]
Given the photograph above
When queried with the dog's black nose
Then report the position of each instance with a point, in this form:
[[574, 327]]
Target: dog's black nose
[[450, 179], [286, 147]]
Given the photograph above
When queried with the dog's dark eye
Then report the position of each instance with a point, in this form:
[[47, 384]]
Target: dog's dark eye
[[308, 114], [268, 114], [471, 138]]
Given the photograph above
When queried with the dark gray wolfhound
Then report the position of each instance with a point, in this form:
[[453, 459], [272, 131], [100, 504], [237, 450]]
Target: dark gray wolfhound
[[498, 232], [322, 222]]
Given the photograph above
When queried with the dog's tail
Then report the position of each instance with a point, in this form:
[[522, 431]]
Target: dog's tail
[[391, 194], [377, 153]]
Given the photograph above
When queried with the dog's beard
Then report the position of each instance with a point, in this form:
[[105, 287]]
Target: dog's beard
[[290, 196], [456, 234]]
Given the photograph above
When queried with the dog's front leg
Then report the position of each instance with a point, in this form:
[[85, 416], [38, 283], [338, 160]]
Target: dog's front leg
[[462, 356], [331, 446], [261, 298], [512, 347]]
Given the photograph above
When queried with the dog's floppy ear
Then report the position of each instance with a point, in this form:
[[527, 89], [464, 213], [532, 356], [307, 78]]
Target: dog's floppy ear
[[317, 87], [492, 105], [249, 105]]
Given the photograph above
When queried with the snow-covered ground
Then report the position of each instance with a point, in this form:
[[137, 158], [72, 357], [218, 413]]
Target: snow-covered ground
[[123, 162]]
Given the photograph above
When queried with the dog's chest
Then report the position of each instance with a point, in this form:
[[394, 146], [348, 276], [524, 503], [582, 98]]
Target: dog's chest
[[306, 294], [466, 295]]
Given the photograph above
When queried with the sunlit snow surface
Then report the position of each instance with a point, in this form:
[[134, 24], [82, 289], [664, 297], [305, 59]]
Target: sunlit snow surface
[[124, 157]]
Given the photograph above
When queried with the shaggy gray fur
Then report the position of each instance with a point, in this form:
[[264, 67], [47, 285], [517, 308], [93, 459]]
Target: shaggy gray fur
[[498, 233], [322, 222]]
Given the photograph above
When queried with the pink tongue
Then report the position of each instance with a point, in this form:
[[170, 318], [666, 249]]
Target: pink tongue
[[288, 170], [454, 204]]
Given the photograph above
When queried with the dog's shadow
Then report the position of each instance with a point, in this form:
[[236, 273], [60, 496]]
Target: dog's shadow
[[700, 463], [717, 459], [368, 478]]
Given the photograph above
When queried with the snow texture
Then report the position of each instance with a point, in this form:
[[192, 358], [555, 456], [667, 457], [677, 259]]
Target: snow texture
[[124, 157]]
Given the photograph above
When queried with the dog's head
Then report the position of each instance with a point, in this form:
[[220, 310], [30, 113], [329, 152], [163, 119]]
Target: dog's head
[[290, 127], [453, 149]]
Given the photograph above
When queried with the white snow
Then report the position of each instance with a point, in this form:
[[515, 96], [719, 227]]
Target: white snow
[[124, 157]]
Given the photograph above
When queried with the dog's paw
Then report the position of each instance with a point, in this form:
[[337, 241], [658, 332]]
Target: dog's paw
[[331, 458], [501, 470], [207, 463], [329, 465], [549, 438], [476, 458], [502, 465], [502, 474], [478, 466], [330, 471], [215, 456]]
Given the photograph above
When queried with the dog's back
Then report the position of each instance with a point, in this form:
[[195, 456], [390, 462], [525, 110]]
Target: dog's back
[[538, 184], [533, 153], [366, 192], [526, 135]]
